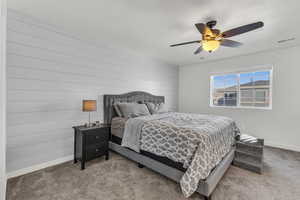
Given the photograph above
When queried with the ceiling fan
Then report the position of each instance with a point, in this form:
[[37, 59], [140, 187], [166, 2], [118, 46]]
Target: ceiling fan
[[213, 38]]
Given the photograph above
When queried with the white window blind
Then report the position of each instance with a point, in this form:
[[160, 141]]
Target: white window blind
[[251, 89]]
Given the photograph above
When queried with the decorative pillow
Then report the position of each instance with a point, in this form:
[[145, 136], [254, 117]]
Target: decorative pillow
[[117, 109], [130, 110], [157, 108]]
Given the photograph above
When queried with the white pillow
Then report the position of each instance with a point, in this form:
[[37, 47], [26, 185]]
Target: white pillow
[[130, 110], [117, 109], [157, 108]]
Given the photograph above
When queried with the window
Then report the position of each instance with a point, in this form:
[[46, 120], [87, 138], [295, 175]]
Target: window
[[243, 89]]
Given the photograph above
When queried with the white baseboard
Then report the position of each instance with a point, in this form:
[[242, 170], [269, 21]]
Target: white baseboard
[[282, 146], [39, 166]]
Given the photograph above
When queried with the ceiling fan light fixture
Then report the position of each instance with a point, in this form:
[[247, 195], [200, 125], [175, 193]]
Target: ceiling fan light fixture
[[212, 39], [210, 45]]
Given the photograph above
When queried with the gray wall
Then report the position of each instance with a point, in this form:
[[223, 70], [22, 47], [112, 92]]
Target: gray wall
[[50, 72], [2, 99], [279, 126]]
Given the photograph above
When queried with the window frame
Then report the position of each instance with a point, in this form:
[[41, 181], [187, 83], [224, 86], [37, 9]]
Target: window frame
[[238, 73]]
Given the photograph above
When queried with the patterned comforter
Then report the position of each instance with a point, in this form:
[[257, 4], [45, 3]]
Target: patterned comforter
[[198, 141]]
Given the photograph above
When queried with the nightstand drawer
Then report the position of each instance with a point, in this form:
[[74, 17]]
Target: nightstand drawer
[[96, 151], [96, 136]]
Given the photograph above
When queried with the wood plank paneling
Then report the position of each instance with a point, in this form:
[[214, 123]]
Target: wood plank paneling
[[3, 98], [51, 71]]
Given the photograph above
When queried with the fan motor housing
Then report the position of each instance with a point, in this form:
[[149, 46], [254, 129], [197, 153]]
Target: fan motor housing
[[211, 24]]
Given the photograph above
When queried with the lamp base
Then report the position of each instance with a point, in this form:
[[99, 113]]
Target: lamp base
[[88, 125]]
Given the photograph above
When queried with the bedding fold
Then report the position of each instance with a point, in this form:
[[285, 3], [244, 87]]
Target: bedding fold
[[133, 129]]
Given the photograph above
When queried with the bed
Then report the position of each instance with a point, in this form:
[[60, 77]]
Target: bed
[[179, 170]]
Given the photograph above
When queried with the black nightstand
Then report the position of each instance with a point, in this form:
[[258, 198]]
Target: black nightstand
[[90, 143]]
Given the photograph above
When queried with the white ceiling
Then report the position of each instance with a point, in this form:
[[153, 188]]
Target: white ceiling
[[150, 26]]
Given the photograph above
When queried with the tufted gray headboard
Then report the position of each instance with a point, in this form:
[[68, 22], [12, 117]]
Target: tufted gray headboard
[[140, 97]]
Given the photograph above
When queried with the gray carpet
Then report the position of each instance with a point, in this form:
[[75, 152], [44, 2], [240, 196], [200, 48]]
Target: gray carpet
[[119, 178]]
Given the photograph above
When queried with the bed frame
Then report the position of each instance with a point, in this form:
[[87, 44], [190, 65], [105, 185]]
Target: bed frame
[[205, 188]]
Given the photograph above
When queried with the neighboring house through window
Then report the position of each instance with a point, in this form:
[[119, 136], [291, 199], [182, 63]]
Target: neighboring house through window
[[251, 89]]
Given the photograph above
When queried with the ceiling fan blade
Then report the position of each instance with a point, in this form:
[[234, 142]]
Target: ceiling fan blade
[[198, 50], [184, 43], [242, 29], [230, 43], [216, 31], [201, 27]]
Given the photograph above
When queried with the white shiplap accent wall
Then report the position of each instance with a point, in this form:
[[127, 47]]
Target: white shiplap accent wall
[[3, 9], [50, 72]]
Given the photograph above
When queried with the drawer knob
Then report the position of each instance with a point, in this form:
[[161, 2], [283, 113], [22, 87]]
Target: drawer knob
[[97, 137], [97, 150]]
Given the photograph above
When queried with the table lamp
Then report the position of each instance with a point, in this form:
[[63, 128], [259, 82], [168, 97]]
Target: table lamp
[[89, 106]]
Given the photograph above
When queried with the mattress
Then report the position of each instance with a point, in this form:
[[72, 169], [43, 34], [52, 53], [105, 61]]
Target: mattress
[[117, 126]]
